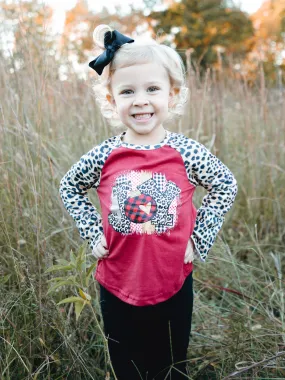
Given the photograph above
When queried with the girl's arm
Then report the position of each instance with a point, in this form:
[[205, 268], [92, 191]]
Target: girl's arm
[[205, 169], [84, 175]]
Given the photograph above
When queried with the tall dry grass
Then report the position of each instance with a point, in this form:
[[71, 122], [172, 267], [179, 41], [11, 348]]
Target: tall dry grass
[[238, 323]]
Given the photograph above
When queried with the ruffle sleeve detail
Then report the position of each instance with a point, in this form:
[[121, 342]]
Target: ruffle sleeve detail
[[83, 175], [206, 170], [221, 186]]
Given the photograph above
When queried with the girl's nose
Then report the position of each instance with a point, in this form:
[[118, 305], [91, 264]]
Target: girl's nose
[[140, 101]]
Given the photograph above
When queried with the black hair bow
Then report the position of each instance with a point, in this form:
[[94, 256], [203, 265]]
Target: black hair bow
[[112, 42]]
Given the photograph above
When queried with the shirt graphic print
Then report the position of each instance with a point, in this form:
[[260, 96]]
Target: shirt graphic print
[[143, 202]]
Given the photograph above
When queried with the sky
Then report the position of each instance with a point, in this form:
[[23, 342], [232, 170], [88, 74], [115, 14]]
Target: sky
[[60, 7]]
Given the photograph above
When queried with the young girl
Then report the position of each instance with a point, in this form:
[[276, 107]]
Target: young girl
[[149, 230]]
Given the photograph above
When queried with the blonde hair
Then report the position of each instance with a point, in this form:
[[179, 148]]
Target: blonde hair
[[139, 52]]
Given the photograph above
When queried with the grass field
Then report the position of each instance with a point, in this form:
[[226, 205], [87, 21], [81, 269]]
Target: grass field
[[238, 322]]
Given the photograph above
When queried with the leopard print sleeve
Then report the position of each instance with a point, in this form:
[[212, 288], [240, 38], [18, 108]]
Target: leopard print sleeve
[[82, 176], [205, 169]]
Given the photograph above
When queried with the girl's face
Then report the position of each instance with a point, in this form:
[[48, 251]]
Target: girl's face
[[141, 96]]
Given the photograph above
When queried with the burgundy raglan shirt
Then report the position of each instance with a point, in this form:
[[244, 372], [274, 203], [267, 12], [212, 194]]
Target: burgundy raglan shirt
[[147, 212]]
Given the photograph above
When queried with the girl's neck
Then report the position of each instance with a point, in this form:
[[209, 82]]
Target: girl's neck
[[153, 138]]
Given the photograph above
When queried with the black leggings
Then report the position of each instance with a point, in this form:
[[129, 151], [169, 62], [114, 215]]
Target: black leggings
[[149, 342]]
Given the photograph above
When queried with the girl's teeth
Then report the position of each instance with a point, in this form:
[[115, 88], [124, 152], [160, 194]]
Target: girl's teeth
[[145, 116]]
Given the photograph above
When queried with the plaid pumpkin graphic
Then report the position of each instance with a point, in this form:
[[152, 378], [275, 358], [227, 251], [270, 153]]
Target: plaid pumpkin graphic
[[140, 209]]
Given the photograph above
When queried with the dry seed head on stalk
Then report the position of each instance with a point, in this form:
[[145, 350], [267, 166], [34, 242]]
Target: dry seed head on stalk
[[99, 33]]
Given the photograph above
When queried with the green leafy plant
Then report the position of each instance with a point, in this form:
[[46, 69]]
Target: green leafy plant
[[79, 276], [79, 280]]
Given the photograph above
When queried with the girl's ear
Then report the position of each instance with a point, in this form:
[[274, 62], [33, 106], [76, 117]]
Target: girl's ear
[[173, 92], [111, 100]]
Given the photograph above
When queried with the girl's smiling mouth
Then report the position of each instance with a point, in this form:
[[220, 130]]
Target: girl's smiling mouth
[[142, 116]]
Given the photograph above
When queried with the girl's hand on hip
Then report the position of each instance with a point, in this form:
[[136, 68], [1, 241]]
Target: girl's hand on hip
[[189, 254], [101, 251]]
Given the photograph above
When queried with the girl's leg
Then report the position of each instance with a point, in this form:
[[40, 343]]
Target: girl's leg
[[181, 319], [123, 334], [149, 342], [171, 332]]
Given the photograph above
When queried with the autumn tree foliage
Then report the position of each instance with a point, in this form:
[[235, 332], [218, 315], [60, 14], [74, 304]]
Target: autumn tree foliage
[[207, 27], [282, 23], [269, 41], [78, 28], [215, 33], [269, 19]]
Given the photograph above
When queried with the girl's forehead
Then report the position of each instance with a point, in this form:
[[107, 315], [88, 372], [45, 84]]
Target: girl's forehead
[[147, 72]]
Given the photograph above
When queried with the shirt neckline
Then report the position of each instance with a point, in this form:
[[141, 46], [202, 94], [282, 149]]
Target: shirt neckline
[[143, 147]]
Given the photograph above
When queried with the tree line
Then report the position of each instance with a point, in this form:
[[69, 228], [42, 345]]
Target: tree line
[[209, 33]]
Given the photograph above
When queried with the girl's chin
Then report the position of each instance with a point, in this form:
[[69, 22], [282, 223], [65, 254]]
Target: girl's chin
[[144, 130], [144, 135]]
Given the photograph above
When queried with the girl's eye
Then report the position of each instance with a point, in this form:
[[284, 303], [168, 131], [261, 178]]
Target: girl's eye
[[151, 89], [154, 88], [126, 92]]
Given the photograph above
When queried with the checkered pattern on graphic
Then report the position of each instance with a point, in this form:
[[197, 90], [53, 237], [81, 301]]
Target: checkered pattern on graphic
[[133, 211], [162, 220], [161, 181], [140, 197]]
